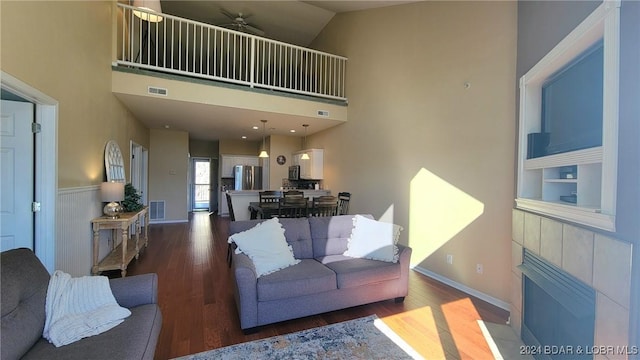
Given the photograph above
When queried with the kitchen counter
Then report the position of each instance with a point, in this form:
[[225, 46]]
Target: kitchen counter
[[241, 199]]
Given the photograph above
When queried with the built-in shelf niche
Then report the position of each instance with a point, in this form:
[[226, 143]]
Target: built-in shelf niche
[[553, 178], [588, 196]]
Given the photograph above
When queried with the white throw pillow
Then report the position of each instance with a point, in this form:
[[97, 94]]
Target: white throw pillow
[[266, 246], [371, 239]]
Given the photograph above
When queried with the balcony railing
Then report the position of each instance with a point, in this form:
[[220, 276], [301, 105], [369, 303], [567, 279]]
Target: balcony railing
[[185, 47]]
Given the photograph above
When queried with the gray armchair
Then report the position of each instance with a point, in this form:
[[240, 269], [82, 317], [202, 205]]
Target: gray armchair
[[24, 282]]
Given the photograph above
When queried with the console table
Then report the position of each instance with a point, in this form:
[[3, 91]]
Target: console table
[[122, 254]]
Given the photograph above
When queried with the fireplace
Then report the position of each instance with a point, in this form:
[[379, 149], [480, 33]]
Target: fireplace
[[600, 263], [559, 310]]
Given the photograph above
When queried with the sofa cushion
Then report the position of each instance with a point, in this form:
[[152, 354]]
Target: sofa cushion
[[135, 338], [267, 247], [307, 277], [331, 233], [24, 289], [298, 235], [296, 231], [352, 272]]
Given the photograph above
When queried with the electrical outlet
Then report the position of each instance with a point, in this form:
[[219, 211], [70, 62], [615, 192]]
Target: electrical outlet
[[479, 268], [449, 259]]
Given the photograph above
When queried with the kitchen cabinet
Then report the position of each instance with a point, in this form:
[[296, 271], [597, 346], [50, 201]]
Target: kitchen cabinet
[[229, 161], [312, 168]]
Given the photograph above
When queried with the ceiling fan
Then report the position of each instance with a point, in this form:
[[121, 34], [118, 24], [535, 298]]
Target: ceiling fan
[[239, 23]]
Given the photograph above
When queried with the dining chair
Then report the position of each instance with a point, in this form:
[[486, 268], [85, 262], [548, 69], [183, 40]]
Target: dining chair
[[343, 203], [324, 206], [269, 201], [293, 207], [232, 217], [270, 196], [293, 194]]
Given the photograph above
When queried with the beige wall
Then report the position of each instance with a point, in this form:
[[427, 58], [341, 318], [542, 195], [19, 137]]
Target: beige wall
[[281, 145], [169, 172], [239, 147], [419, 147], [202, 148], [63, 49]]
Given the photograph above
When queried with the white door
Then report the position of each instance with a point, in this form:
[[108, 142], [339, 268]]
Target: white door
[[16, 175]]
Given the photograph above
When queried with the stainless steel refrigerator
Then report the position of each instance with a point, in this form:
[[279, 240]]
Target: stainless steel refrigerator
[[247, 177]]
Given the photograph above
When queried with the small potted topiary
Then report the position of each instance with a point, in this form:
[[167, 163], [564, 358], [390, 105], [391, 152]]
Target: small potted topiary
[[131, 202]]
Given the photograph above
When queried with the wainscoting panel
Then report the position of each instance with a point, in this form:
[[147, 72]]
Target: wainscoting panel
[[74, 239]]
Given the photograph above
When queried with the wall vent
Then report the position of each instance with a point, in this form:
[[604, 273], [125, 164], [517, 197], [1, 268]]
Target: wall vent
[[323, 113], [156, 210], [157, 91]]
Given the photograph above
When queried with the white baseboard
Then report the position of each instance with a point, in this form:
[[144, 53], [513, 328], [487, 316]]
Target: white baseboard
[[464, 288], [151, 222]]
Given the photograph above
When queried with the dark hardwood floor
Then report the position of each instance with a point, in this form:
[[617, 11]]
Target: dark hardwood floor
[[199, 311]]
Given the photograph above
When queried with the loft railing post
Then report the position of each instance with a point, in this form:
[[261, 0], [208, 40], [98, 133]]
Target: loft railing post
[[124, 32], [164, 45], [253, 62]]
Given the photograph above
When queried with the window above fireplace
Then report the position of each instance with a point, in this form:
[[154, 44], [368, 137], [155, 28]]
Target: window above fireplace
[[558, 178]]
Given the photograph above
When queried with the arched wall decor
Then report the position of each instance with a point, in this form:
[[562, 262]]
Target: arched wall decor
[[114, 163]]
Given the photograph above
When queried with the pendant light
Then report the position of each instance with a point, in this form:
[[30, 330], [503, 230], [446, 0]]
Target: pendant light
[[305, 156], [263, 153], [152, 10]]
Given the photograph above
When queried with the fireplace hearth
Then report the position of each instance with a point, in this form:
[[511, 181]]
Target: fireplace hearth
[[558, 310]]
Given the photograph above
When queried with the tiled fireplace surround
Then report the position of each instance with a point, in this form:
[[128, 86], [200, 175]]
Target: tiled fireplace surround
[[599, 261]]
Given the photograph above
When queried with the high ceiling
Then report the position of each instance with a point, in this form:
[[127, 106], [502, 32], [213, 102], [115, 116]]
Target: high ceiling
[[294, 22]]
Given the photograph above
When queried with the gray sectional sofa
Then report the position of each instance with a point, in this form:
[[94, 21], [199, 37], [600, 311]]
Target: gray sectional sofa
[[324, 280], [24, 289]]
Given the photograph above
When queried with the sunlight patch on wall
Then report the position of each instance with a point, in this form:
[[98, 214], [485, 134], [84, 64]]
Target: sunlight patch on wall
[[437, 212]]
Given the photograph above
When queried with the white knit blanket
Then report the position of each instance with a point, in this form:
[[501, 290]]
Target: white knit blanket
[[80, 307]]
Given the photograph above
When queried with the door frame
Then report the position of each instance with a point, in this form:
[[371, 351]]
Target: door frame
[[46, 166], [143, 168], [192, 185]]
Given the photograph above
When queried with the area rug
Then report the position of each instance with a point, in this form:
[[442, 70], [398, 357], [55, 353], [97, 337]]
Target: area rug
[[353, 339]]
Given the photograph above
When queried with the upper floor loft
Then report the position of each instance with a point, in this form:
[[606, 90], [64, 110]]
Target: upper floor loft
[[165, 57]]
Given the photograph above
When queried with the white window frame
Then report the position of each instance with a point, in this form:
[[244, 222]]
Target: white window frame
[[602, 24]]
